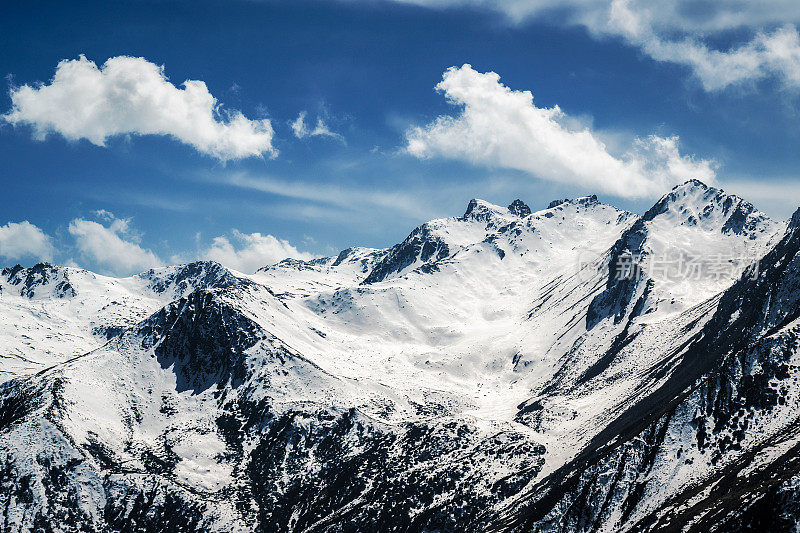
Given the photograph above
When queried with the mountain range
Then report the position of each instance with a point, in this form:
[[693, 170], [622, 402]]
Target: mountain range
[[579, 368]]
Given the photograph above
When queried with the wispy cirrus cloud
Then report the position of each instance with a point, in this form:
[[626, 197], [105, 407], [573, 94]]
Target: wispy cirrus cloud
[[130, 95], [351, 198], [767, 53], [301, 129], [680, 32], [501, 127]]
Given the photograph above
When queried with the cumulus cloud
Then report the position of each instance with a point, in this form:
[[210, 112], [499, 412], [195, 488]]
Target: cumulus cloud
[[679, 32], [113, 248], [301, 130], [500, 127], [249, 252], [130, 95], [23, 239]]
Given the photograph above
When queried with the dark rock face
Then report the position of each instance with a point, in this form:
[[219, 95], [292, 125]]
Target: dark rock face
[[343, 256], [299, 264], [743, 218], [624, 278], [373, 478], [29, 280], [308, 468], [519, 208], [152, 505], [204, 338], [470, 208], [421, 245]]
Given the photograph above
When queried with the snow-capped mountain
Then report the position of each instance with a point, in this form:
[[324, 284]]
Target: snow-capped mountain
[[578, 368]]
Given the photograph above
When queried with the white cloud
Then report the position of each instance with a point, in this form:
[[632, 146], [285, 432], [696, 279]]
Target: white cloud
[[113, 247], [499, 127], [23, 239], [301, 130], [665, 15], [249, 252], [679, 31], [103, 214], [130, 95], [767, 54]]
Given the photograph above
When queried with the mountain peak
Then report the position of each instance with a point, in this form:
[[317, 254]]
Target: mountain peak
[[519, 208], [581, 200], [477, 206], [182, 279], [484, 211], [692, 194], [30, 281], [795, 220], [692, 184], [471, 207], [694, 199], [694, 203]]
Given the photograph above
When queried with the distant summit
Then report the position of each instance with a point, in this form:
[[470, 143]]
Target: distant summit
[[694, 203], [519, 208], [581, 200]]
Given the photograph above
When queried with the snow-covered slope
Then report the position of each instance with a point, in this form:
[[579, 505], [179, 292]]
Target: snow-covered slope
[[492, 370], [52, 314], [714, 447]]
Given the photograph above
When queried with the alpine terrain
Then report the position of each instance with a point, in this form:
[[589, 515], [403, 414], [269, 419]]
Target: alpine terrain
[[579, 368]]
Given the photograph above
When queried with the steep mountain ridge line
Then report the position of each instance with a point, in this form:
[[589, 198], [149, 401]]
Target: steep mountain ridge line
[[313, 400], [724, 334]]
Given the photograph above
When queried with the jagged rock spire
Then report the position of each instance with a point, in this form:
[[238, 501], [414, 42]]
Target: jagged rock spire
[[519, 208]]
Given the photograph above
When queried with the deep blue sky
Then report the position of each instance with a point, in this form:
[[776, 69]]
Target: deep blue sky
[[369, 68]]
